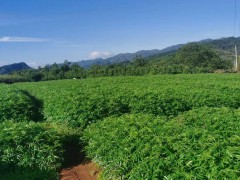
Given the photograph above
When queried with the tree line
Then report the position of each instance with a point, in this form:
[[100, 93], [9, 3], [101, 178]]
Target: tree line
[[192, 58]]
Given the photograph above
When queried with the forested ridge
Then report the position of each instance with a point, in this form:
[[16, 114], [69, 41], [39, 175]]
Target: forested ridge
[[190, 59], [206, 56]]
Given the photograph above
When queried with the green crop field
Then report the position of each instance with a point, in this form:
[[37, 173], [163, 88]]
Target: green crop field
[[150, 127]]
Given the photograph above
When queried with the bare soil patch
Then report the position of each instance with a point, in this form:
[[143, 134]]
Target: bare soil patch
[[85, 171]]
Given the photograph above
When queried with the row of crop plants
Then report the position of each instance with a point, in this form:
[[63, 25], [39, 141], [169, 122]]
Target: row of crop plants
[[170, 126], [203, 143], [82, 102], [30, 147]]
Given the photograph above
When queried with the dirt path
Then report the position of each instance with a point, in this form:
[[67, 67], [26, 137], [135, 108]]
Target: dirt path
[[86, 171]]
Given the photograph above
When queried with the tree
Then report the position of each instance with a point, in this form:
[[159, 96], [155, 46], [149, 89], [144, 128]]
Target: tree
[[66, 66], [76, 71], [195, 55], [138, 61]]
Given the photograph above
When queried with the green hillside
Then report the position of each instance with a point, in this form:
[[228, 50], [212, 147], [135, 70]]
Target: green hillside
[[223, 47], [7, 69], [207, 56]]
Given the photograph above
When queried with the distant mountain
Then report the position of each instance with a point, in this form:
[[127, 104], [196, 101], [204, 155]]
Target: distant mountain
[[225, 47], [127, 56], [7, 69], [225, 44]]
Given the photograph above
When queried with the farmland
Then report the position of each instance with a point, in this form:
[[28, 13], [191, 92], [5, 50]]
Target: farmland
[[150, 127]]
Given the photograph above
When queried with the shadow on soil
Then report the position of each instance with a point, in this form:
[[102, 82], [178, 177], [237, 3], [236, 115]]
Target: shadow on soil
[[73, 154], [73, 149]]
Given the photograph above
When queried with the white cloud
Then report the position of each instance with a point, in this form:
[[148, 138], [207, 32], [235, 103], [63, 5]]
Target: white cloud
[[33, 64], [98, 54], [21, 39]]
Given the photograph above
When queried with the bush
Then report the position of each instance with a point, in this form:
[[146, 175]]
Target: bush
[[203, 143], [119, 144], [9, 79], [83, 102], [18, 105], [27, 174], [27, 149]]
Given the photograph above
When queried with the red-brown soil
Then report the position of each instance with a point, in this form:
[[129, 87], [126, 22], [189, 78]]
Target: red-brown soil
[[85, 171]]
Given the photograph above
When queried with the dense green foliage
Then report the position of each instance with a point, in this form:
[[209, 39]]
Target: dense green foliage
[[200, 144], [9, 79], [199, 56], [177, 126], [18, 105], [29, 148], [53, 72], [82, 102], [35, 150], [190, 59], [27, 174]]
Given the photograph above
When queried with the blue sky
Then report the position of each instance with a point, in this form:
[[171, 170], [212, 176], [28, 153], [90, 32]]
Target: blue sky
[[41, 32]]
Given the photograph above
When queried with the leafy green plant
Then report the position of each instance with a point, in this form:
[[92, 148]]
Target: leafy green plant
[[9, 79], [29, 147], [199, 144], [18, 105], [27, 174], [161, 139], [83, 102]]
